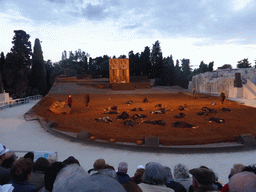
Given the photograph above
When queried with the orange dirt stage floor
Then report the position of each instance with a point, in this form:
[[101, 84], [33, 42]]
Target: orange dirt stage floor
[[240, 120]]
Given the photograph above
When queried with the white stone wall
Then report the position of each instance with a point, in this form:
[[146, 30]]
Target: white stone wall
[[219, 80]]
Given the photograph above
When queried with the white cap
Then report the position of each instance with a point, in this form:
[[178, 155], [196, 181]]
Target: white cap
[[140, 167], [3, 150]]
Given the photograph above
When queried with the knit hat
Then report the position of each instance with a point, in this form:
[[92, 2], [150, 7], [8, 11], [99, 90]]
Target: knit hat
[[3, 150], [202, 175]]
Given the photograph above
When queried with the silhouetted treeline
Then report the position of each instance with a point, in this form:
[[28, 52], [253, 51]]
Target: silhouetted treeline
[[24, 73]]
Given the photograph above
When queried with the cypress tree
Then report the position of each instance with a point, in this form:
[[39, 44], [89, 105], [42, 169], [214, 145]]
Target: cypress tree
[[38, 70]]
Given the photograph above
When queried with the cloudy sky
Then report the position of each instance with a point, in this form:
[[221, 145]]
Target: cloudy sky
[[222, 31]]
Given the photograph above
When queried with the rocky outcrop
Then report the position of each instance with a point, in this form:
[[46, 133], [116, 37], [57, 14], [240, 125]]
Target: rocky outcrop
[[60, 108]]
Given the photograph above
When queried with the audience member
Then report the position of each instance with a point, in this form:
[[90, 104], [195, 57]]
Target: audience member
[[137, 178], [250, 168], [216, 184], [50, 175], [236, 169], [243, 182], [29, 155], [154, 178], [202, 180], [38, 173], [71, 160], [98, 164], [181, 175], [122, 175], [5, 175], [177, 187], [131, 186], [108, 171], [10, 157], [74, 178], [20, 172]]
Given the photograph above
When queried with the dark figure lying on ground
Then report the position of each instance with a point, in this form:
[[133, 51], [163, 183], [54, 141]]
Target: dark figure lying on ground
[[129, 123], [216, 119], [157, 122], [139, 116], [129, 102], [182, 124], [226, 109], [179, 115], [104, 119], [112, 108], [137, 109], [112, 112], [123, 116]]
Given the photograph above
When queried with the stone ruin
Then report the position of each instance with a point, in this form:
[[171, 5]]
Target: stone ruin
[[237, 83]]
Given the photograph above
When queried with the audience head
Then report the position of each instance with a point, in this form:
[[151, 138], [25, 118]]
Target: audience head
[[29, 155], [10, 158], [250, 168], [236, 169], [138, 175], [108, 170], [71, 160], [154, 174], [70, 178], [242, 182], [123, 167], [41, 164], [21, 170], [168, 172], [180, 171], [202, 176], [51, 174], [3, 151], [98, 164]]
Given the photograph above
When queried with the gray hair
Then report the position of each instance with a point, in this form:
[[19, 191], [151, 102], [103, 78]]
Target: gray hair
[[154, 174], [122, 167], [180, 171], [109, 172], [243, 182]]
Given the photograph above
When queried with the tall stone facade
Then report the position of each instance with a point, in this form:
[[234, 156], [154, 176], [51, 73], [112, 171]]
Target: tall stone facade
[[119, 71], [219, 80]]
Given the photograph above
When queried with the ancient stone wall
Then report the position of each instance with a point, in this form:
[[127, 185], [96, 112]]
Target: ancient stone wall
[[219, 80]]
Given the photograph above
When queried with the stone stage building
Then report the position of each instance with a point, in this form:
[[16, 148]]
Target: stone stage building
[[237, 83]]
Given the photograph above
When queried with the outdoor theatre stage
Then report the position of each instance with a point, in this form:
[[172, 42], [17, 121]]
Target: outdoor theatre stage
[[241, 119]]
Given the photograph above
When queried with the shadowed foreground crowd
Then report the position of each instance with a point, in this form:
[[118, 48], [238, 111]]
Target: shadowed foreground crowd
[[46, 175]]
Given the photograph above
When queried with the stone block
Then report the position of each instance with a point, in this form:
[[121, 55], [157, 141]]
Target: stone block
[[84, 135], [152, 141], [246, 139]]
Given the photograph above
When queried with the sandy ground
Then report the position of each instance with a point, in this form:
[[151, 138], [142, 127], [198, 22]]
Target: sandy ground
[[18, 134], [241, 119]]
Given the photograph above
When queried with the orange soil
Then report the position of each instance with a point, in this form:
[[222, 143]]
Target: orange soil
[[241, 120]]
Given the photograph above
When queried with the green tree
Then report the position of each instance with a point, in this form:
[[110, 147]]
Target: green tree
[[244, 63], [17, 65], [211, 66], [145, 61], [168, 78], [157, 60], [186, 73], [39, 73]]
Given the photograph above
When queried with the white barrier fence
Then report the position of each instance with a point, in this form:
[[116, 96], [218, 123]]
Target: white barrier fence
[[37, 154], [14, 102]]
